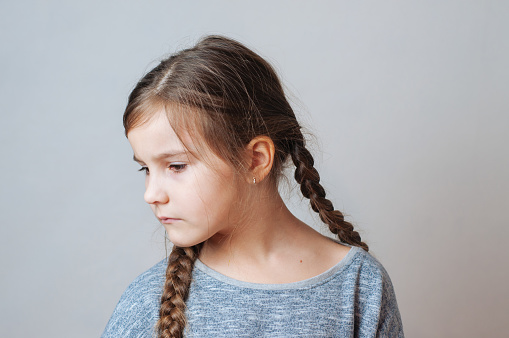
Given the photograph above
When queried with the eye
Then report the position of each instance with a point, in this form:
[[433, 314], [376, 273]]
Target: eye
[[145, 169], [177, 167]]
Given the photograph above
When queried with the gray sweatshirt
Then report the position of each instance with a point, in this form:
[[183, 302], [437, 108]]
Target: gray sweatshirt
[[354, 298]]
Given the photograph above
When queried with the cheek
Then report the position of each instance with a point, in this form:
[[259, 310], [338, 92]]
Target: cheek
[[204, 196], [225, 198], [216, 193]]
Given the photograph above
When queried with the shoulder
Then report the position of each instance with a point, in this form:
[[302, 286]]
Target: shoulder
[[369, 270], [361, 276], [137, 310], [375, 300]]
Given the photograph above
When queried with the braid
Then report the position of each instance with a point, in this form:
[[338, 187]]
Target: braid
[[172, 318], [309, 179]]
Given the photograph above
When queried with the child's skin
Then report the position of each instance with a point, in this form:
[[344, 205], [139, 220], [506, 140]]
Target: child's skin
[[197, 200]]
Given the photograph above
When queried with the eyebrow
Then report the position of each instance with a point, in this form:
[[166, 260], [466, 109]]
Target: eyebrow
[[163, 155]]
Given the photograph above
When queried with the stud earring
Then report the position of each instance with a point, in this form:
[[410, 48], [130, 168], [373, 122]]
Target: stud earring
[[254, 180]]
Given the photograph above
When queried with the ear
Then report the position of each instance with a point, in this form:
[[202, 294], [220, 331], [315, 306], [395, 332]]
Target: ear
[[260, 157]]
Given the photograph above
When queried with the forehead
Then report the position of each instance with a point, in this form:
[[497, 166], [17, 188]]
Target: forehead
[[156, 137], [156, 125], [156, 134]]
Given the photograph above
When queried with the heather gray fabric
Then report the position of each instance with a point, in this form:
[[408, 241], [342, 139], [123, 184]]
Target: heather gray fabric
[[355, 298]]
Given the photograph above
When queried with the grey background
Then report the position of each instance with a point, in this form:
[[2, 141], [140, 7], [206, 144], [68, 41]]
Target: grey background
[[407, 100]]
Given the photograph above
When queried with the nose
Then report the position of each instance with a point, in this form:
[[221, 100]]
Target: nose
[[154, 191]]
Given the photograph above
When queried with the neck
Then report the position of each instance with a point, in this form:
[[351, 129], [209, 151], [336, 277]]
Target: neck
[[267, 233], [271, 245]]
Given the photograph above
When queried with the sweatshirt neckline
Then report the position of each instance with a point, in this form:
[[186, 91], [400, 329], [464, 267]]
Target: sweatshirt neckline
[[284, 286]]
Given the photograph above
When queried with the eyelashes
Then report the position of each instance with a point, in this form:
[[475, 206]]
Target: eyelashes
[[176, 168]]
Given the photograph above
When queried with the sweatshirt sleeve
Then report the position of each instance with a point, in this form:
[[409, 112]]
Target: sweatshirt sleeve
[[377, 313]]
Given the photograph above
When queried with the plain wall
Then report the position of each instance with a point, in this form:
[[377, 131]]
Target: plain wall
[[408, 102]]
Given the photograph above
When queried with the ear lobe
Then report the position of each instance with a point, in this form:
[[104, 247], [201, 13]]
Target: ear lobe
[[260, 157]]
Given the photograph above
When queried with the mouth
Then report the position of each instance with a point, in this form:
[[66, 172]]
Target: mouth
[[168, 220]]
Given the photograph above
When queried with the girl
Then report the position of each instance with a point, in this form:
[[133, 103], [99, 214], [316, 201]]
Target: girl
[[212, 131]]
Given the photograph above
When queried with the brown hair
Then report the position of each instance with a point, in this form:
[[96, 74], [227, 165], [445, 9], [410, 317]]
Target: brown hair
[[227, 95]]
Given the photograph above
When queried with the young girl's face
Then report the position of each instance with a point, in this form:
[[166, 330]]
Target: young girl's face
[[192, 199]]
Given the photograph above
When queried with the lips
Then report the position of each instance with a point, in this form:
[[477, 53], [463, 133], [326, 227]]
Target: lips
[[168, 220]]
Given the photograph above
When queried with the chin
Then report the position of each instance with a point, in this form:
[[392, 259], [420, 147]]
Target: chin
[[184, 242]]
